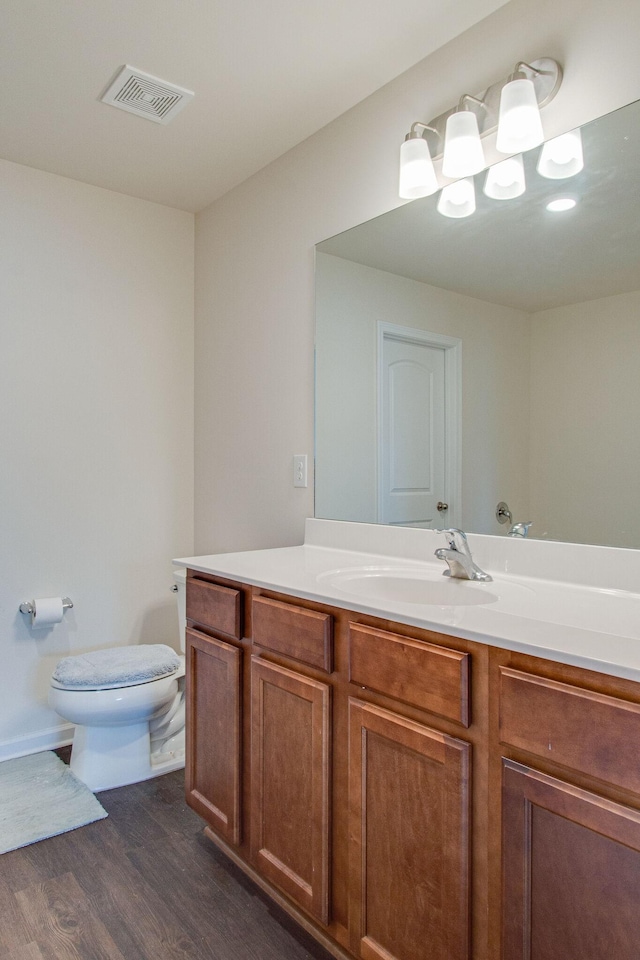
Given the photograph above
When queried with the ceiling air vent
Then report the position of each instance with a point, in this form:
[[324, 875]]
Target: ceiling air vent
[[138, 92]]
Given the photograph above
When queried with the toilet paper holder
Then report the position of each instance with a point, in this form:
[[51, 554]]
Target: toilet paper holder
[[29, 606]]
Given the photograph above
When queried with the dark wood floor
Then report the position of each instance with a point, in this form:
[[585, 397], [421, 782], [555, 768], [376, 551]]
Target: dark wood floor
[[143, 884]]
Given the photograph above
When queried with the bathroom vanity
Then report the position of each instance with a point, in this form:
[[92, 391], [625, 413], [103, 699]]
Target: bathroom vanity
[[438, 780]]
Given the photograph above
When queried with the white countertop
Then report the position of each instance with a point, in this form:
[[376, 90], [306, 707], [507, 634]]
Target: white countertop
[[584, 612]]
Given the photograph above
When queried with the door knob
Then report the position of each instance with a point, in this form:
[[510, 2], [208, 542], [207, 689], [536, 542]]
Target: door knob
[[442, 506]]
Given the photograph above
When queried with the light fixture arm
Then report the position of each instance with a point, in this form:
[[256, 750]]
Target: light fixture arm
[[547, 78], [474, 100], [413, 133], [517, 69]]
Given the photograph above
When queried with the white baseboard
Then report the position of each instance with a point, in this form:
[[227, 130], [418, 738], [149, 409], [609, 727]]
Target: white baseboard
[[49, 739]]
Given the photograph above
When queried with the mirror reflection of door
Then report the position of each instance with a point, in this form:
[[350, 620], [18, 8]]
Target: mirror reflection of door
[[414, 467]]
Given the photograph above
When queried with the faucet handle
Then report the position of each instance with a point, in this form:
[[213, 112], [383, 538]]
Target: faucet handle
[[456, 539]]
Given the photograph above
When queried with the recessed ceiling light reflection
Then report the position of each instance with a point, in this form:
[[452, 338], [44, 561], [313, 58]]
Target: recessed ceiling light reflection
[[561, 204]]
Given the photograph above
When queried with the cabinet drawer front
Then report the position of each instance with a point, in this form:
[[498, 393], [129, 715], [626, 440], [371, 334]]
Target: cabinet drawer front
[[304, 635], [589, 732], [420, 674], [214, 606]]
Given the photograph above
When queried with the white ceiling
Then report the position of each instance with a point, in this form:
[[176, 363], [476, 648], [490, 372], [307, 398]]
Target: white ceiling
[[266, 75]]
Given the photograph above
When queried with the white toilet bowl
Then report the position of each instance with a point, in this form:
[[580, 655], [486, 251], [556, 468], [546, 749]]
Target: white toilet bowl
[[115, 706], [111, 743], [127, 729]]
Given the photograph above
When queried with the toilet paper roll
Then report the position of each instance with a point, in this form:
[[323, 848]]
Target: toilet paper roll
[[46, 612]]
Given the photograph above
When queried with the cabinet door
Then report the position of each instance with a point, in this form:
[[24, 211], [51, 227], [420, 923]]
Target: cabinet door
[[409, 807], [213, 756], [571, 871], [290, 783]]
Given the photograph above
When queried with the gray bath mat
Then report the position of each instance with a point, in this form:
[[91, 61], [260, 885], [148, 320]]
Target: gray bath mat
[[40, 797]]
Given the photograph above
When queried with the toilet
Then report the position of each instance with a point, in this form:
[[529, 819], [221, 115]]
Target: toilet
[[128, 707]]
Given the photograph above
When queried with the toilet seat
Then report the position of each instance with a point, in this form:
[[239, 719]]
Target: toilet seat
[[116, 667]]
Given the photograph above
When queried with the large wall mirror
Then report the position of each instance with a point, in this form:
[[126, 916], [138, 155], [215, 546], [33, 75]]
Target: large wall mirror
[[529, 324]]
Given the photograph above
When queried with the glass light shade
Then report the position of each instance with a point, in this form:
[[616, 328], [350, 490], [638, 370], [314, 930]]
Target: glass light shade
[[505, 180], [458, 199], [417, 175], [463, 154], [562, 156], [519, 123]]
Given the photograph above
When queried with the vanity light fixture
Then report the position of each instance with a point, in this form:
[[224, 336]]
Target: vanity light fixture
[[505, 180], [456, 140], [458, 199], [561, 157], [519, 121], [463, 155], [417, 174]]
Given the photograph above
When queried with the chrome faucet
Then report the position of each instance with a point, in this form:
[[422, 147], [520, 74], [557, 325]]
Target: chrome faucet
[[458, 557], [519, 529]]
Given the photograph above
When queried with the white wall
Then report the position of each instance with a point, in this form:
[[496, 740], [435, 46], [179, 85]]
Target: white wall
[[96, 432], [254, 265], [350, 299], [585, 385]]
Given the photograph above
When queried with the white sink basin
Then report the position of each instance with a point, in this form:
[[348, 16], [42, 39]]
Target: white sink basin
[[409, 585]]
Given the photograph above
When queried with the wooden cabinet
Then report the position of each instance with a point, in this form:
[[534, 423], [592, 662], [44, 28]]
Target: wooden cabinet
[[324, 754], [571, 871], [213, 725], [409, 800], [290, 725], [214, 697], [570, 813], [290, 777], [407, 795]]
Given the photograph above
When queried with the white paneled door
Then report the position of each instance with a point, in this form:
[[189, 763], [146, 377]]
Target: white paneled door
[[418, 407]]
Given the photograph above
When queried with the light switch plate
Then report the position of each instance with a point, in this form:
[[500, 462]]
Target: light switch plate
[[300, 470]]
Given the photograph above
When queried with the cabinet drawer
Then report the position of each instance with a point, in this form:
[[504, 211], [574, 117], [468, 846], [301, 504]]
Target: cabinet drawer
[[589, 732], [214, 606], [296, 632], [417, 673]]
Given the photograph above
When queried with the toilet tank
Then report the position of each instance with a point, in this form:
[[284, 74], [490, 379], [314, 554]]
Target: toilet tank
[[180, 577]]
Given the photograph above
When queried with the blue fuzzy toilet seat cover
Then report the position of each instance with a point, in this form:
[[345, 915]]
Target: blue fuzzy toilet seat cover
[[116, 667]]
